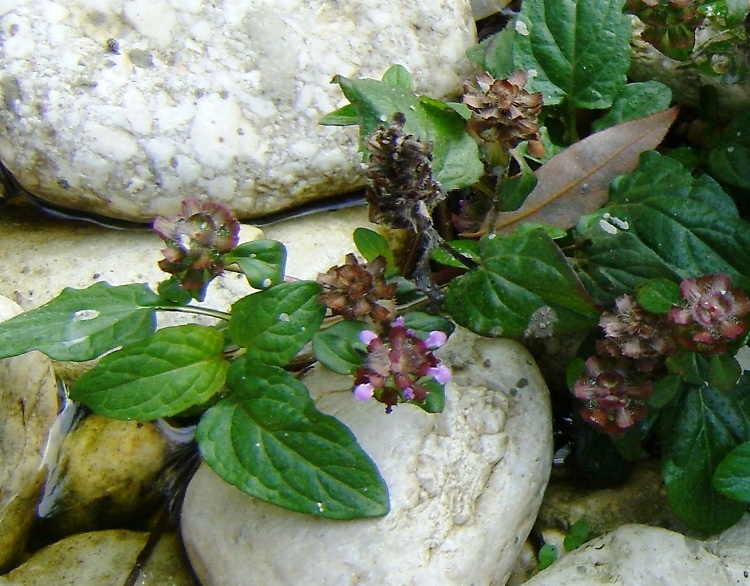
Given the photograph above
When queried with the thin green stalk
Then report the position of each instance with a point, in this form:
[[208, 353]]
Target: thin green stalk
[[197, 311]]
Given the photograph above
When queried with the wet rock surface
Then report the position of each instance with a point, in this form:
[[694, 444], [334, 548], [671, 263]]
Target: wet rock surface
[[28, 403], [102, 557]]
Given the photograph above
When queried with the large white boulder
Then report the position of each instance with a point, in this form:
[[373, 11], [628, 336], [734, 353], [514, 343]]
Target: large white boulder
[[124, 108], [465, 486]]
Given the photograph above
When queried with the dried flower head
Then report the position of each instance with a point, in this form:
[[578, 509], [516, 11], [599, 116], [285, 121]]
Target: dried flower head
[[359, 291], [402, 192], [713, 313], [632, 332], [197, 240], [614, 395], [398, 366], [503, 111]]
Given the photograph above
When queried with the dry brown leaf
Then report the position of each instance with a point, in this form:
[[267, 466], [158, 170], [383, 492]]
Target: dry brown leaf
[[576, 181]]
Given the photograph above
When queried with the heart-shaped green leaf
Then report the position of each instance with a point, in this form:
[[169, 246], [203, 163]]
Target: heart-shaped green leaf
[[274, 324], [262, 262], [268, 439], [524, 288], [579, 50], [81, 324], [164, 375]]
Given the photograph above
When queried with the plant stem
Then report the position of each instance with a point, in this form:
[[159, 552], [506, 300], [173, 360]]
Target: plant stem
[[197, 311]]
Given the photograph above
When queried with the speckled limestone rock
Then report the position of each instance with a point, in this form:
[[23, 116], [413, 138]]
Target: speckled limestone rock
[[28, 403], [465, 486], [106, 476], [41, 256], [650, 556], [124, 108], [102, 558]]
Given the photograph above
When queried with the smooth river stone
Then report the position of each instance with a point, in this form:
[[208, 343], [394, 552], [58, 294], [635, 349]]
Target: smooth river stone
[[652, 556], [28, 403], [465, 486], [124, 108]]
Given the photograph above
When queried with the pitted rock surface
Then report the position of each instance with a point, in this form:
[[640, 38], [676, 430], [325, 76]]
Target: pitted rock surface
[[124, 108], [465, 486]]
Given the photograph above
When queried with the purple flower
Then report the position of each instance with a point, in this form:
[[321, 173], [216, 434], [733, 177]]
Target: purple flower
[[712, 315], [398, 366], [613, 393], [197, 240]]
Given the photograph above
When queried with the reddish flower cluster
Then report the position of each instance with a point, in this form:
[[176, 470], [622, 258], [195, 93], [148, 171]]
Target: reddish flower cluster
[[636, 343], [632, 332], [614, 395], [398, 366], [197, 240], [713, 314]]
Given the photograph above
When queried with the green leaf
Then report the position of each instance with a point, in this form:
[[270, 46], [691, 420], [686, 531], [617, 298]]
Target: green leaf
[[664, 391], [690, 366], [164, 375], [372, 245], [497, 54], [172, 290], [524, 288], [729, 159], [399, 76], [547, 556], [723, 372], [578, 49], [435, 400], [732, 476], [635, 100], [658, 295], [423, 323], [512, 191], [708, 426], [338, 347], [268, 439], [662, 222], [455, 164], [81, 324], [577, 535], [276, 323], [469, 248], [344, 116], [262, 261]]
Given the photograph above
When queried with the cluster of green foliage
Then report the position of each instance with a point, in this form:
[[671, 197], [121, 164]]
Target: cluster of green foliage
[[664, 220], [668, 218]]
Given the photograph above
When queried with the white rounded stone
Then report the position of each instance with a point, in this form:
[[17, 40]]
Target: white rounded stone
[[464, 485], [651, 556], [126, 108]]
